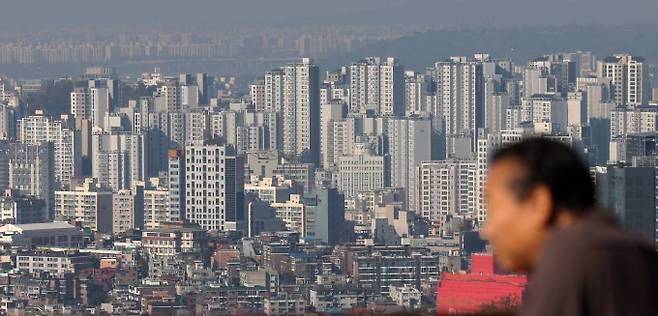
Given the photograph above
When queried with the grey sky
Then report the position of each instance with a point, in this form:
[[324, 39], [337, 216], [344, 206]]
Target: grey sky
[[38, 15]]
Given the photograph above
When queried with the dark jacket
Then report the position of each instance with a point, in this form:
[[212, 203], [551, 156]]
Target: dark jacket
[[594, 268]]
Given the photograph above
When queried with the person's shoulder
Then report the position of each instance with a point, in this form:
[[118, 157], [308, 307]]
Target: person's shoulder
[[598, 235], [590, 262]]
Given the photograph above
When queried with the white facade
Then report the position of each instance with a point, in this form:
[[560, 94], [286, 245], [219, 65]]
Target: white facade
[[458, 84], [301, 109], [156, 207], [378, 85], [39, 129], [271, 189], [123, 209], [176, 185], [100, 106], [89, 204], [30, 171], [629, 80], [80, 104], [360, 172], [292, 213], [211, 185], [273, 90], [546, 109], [416, 87], [169, 97], [447, 188], [257, 94], [330, 113], [625, 121], [342, 134], [119, 159]]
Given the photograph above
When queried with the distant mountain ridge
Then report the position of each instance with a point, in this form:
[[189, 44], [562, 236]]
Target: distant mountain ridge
[[521, 44]]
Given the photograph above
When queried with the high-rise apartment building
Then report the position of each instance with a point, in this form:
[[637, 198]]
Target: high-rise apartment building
[[176, 185], [629, 79], [213, 187], [446, 188], [119, 159], [80, 106], [301, 110], [459, 97], [67, 163], [409, 141], [331, 112], [378, 85], [99, 100], [273, 91], [31, 171]]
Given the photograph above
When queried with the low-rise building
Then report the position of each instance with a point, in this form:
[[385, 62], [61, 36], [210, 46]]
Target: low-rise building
[[406, 295], [218, 299], [89, 204], [271, 189], [156, 207], [284, 305], [53, 234], [54, 263], [174, 238], [376, 268], [332, 299]]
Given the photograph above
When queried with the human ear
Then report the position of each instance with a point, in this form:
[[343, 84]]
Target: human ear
[[539, 204]]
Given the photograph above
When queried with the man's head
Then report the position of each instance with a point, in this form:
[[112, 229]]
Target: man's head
[[531, 187]]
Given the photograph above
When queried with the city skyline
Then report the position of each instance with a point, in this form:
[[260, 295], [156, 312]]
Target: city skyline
[[322, 157]]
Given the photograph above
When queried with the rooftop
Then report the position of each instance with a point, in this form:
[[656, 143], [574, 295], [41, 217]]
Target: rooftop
[[37, 226]]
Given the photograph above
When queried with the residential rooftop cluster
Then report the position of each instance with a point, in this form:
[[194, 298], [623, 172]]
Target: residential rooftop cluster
[[359, 189]]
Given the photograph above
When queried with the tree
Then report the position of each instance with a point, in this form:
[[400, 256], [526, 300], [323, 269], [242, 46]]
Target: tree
[[53, 98], [506, 305]]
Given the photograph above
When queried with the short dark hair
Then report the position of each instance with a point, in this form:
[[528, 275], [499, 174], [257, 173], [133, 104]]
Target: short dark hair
[[555, 165]]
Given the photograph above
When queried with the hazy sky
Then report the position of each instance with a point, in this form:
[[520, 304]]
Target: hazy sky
[[35, 15]]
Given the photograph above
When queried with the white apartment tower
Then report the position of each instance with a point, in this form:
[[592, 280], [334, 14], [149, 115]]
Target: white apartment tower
[[31, 171], [176, 185], [273, 90], [119, 159], [416, 87], [257, 94], [331, 112], [37, 129], [624, 121], [629, 79], [301, 110], [168, 97], [123, 211], [378, 85], [447, 188], [212, 186], [459, 97], [99, 105], [80, 104], [546, 109], [156, 207]]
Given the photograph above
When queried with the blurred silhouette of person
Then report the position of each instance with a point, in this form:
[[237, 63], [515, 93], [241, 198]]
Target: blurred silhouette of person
[[542, 219]]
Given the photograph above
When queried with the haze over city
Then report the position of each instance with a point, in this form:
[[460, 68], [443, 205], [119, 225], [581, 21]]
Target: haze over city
[[307, 157]]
